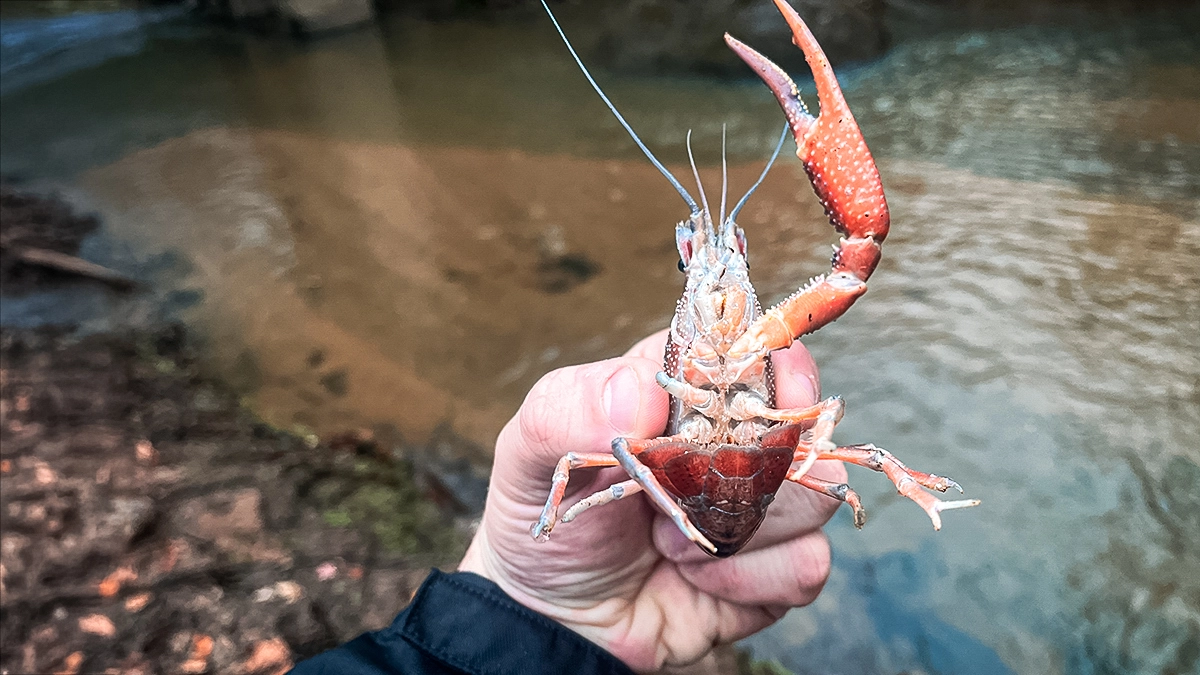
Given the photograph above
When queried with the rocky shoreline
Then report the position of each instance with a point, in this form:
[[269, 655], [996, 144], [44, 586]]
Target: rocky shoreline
[[153, 525]]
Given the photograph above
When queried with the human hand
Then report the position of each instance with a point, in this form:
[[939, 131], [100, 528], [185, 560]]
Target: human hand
[[622, 574]]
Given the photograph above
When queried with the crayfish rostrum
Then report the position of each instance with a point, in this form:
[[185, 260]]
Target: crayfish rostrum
[[727, 448]]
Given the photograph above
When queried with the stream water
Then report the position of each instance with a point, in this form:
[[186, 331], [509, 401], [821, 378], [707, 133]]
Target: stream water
[[407, 226]]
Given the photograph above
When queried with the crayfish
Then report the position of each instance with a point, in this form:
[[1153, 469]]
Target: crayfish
[[727, 448]]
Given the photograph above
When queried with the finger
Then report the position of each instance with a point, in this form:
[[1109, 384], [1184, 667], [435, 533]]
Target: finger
[[791, 573], [577, 409], [652, 346], [797, 382]]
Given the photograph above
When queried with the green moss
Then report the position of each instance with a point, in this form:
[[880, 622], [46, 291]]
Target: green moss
[[337, 518], [748, 665], [382, 498], [305, 434]]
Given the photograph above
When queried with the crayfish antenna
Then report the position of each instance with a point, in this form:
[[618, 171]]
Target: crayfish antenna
[[687, 198], [724, 176], [708, 228], [728, 223]]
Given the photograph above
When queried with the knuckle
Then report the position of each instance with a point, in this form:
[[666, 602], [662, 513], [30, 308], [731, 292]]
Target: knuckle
[[813, 567], [542, 416]]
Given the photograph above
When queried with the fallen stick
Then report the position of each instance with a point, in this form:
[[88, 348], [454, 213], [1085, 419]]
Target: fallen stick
[[70, 264]]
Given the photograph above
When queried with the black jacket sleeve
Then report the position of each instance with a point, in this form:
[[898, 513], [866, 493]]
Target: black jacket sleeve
[[460, 624]]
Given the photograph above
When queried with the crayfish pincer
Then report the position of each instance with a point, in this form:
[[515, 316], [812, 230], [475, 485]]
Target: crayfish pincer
[[727, 448]]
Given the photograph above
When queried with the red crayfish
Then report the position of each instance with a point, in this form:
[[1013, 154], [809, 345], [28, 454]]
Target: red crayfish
[[727, 448]]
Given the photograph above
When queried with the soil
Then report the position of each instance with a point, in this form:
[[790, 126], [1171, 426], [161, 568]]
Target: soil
[[153, 525]]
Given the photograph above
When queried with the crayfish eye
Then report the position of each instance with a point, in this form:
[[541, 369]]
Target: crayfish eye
[[682, 268]]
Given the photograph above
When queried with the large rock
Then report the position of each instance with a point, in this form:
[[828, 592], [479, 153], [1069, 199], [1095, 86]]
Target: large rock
[[301, 16], [314, 16], [683, 36]]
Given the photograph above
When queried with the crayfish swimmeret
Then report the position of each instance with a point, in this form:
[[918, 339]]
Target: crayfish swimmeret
[[727, 448]]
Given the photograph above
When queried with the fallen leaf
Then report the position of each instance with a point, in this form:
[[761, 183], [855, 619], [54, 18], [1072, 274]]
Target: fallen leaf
[[145, 452], [194, 666], [326, 571], [273, 653], [43, 474], [111, 585], [97, 624], [171, 558], [71, 664], [202, 646], [290, 591], [136, 603]]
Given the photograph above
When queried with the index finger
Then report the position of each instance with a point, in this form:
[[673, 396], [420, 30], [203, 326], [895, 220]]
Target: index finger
[[576, 409]]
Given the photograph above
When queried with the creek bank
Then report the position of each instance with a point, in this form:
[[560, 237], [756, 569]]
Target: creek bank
[[32, 222], [153, 525]]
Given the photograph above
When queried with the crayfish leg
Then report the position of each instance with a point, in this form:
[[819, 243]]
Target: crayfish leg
[[610, 494], [558, 486], [839, 491], [907, 481], [622, 450], [818, 303], [826, 415]]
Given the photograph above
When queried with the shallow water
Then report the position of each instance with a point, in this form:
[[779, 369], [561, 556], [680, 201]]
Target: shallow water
[[409, 226]]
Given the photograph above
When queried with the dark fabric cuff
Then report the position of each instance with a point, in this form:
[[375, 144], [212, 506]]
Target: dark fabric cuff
[[467, 622], [464, 623]]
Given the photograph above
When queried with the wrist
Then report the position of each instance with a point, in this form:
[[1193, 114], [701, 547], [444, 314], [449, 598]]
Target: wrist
[[595, 623]]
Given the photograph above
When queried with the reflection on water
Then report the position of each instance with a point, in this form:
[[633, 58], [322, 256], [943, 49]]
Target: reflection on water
[[410, 226]]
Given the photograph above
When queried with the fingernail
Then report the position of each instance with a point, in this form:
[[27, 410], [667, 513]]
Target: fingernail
[[622, 399]]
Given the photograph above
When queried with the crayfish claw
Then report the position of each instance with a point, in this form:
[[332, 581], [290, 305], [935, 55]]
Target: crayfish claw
[[780, 83], [831, 147]]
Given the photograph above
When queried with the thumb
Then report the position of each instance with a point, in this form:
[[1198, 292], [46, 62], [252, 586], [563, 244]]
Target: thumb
[[577, 409]]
